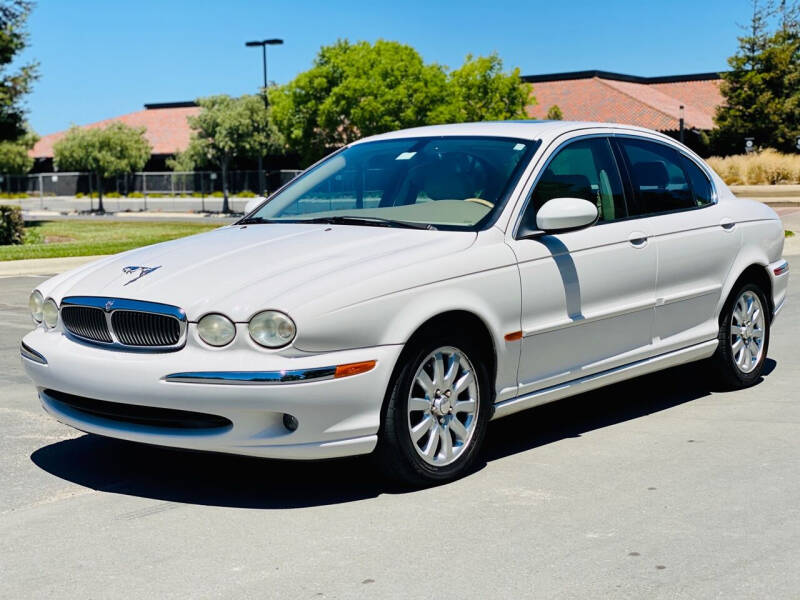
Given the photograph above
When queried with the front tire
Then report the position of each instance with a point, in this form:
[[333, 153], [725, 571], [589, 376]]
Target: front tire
[[743, 337], [437, 410]]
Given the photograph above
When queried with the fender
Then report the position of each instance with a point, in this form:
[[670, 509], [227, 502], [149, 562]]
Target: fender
[[754, 251]]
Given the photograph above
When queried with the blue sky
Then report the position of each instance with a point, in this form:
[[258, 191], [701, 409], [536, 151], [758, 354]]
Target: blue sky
[[100, 59]]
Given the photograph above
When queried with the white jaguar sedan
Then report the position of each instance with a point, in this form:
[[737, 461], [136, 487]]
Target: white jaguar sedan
[[411, 287]]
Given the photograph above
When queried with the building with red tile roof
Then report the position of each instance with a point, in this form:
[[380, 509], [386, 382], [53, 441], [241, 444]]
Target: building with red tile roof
[[652, 102], [166, 126]]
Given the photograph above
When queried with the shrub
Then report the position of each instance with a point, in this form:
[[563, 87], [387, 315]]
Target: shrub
[[216, 194], [135, 195], [246, 194], [12, 227], [767, 167], [79, 195], [112, 195]]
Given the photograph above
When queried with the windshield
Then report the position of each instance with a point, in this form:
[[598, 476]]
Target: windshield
[[441, 182]]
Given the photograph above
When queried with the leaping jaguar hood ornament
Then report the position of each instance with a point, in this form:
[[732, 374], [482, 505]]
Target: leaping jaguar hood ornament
[[142, 271]]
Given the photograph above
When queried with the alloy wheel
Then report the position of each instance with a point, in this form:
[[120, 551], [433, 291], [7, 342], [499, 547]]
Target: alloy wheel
[[443, 406], [747, 332]]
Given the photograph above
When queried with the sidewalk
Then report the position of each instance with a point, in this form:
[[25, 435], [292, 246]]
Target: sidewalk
[[776, 196], [43, 266]]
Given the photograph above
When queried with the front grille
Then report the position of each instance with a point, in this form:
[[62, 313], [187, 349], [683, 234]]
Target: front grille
[[120, 322], [86, 322], [139, 415], [145, 329]]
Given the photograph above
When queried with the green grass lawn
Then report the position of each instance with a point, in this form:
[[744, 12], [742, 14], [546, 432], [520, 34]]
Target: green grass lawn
[[51, 239]]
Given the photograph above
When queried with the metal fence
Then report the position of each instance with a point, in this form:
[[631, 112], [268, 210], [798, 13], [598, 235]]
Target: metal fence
[[145, 184]]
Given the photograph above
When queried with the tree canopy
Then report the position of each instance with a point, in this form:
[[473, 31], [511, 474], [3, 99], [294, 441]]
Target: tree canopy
[[227, 128], [14, 159], [480, 91], [554, 113], [762, 89], [113, 150], [359, 89], [14, 82]]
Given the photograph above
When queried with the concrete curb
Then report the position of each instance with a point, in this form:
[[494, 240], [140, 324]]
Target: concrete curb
[[43, 266], [776, 196]]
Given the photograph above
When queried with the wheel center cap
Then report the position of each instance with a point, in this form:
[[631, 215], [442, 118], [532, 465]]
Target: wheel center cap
[[442, 403]]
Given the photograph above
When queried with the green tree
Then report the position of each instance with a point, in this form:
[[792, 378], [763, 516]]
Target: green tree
[[107, 152], [354, 90], [554, 113], [181, 161], [359, 89], [15, 82], [480, 91], [227, 128], [14, 158], [762, 89]]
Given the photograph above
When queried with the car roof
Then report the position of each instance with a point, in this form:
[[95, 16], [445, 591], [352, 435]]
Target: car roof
[[528, 129]]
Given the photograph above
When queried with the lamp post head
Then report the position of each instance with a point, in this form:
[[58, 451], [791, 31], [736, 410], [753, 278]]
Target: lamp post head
[[269, 42]]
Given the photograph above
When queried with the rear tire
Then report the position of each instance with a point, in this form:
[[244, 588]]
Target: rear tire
[[437, 409], [743, 337]]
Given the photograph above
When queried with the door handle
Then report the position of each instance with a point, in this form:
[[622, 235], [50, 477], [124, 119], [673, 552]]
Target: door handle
[[727, 224], [638, 239]]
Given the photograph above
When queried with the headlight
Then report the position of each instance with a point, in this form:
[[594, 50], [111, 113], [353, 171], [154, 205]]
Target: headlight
[[216, 330], [35, 303], [50, 313], [271, 329]]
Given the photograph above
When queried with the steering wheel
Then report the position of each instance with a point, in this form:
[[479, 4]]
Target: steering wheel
[[480, 201]]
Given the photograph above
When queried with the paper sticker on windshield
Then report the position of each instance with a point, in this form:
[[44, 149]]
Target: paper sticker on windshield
[[405, 155], [519, 147]]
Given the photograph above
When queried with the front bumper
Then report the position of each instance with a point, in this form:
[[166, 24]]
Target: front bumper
[[336, 416]]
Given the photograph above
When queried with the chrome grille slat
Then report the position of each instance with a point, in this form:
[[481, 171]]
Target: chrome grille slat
[[119, 322], [87, 322], [145, 329]]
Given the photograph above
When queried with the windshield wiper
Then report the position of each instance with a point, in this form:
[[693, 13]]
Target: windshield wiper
[[253, 221], [368, 221]]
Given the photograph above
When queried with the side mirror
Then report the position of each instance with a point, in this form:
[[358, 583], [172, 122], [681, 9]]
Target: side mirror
[[566, 214], [252, 204]]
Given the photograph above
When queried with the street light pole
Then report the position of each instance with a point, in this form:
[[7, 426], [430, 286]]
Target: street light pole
[[263, 44]]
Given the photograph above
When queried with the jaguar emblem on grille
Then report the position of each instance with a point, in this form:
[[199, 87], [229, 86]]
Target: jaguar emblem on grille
[[142, 271]]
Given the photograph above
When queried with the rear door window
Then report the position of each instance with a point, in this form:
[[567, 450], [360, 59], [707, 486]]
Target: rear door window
[[659, 181]]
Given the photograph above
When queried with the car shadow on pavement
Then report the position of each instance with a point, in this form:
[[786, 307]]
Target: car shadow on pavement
[[166, 474]]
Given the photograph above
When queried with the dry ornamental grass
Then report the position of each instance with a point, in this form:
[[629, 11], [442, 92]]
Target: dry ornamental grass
[[768, 167]]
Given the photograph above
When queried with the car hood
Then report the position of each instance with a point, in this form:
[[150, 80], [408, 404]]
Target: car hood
[[240, 270]]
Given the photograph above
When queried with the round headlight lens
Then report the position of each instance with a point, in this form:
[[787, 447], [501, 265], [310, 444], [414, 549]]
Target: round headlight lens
[[35, 303], [271, 329], [50, 313], [216, 330]]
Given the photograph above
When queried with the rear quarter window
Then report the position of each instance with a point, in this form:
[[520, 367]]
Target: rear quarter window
[[701, 185]]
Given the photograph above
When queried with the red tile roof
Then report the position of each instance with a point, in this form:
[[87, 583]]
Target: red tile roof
[[582, 96], [636, 101], [167, 129]]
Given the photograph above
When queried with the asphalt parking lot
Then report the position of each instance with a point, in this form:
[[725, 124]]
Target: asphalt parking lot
[[661, 487]]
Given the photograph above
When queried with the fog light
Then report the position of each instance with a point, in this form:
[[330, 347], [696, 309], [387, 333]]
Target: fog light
[[290, 422]]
